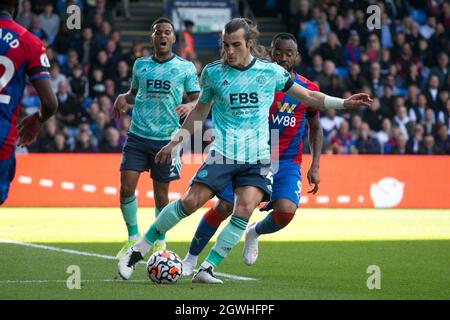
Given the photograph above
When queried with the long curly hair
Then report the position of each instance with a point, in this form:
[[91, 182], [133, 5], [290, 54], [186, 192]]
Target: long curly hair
[[250, 33]]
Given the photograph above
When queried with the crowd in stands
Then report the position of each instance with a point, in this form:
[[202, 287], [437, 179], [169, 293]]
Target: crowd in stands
[[404, 65]]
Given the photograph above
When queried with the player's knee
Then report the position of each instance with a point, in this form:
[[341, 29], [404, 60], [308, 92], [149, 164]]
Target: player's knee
[[126, 190], [191, 204], [161, 198], [245, 209], [282, 219], [224, 208], [285, 205]]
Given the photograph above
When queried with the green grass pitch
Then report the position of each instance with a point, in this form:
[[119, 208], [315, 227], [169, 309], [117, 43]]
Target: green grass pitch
[[324, 254]]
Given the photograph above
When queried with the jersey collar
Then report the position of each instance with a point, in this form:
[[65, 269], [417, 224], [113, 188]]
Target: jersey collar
[[247, 67], [161, 62]]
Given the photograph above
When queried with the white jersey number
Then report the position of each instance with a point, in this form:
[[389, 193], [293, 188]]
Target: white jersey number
[[6, 77]]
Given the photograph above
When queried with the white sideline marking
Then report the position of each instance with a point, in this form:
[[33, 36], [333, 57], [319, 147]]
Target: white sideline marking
[[174, 195], [110, 190], [343, 199], [102, 256], [323, 199], [304, 200], [67, 185], [88, 188], [46, 183], [25, 180]]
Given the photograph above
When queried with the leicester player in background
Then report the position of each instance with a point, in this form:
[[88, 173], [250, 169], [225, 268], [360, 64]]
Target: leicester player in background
[[21, 53], [288, 119], [240, 89], [157, 87]]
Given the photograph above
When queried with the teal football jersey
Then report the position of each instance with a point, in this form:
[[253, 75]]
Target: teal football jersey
[[241, 100], [160, 88]]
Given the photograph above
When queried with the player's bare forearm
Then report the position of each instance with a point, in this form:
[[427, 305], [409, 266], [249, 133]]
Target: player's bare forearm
[[130, 96], [315, 141], [198, 113], [49, 102], [323, 102], [193, 99]]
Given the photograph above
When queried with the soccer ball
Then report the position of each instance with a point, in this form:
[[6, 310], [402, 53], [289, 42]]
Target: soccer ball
[[164, 267]]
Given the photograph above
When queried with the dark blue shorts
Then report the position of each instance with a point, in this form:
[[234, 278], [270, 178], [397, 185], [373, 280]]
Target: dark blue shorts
[[228, 172], [7, 173], [139, 155], [287, 184]]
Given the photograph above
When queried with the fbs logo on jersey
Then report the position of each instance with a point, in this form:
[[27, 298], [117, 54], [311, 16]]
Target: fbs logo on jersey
[[244, 97], [158, 84], [289, 108]]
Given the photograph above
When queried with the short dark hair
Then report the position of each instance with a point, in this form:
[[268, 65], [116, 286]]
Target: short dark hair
[[283, 36], [162, 20], [188, 23]]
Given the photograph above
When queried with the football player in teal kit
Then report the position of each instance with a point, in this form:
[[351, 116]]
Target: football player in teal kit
[[157, 87], [240, 88], [287, 119]]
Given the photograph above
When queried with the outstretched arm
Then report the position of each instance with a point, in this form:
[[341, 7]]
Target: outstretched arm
[[322, 101]]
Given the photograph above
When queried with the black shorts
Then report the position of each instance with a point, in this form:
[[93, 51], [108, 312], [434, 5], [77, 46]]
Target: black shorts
[[139, 155], [217, 175]]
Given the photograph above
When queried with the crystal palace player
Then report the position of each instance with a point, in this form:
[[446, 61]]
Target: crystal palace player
[[240, 89], [20, 53], [287, 119]]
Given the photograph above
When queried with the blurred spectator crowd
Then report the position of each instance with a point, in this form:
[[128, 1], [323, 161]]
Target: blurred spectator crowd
[[88, 70], [404, 65]]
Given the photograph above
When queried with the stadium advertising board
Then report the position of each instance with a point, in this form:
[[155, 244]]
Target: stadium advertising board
[[209, 16], [361, 181]]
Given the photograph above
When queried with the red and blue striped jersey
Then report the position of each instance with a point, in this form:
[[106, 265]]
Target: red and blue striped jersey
[[20, 53], [287, 118]]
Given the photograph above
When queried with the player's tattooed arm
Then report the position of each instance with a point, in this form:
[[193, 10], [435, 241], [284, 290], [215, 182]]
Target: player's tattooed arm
[[315, 141], [198, 114], [123, 102], [322, 101]]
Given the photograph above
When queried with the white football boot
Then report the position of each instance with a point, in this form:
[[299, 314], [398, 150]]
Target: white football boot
[[206, 276], [250, 253], [127, 263], [189, 263]]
